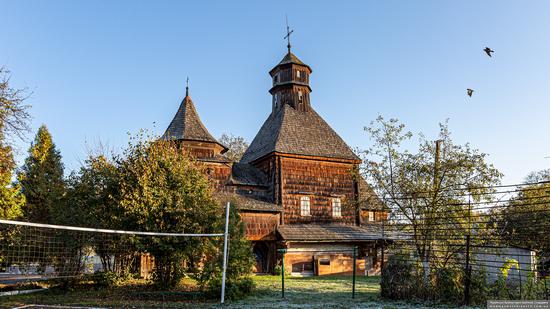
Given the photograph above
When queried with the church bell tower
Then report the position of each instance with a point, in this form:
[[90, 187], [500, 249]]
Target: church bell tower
[[290, 82]]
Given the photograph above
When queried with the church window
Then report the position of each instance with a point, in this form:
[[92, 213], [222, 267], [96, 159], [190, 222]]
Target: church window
[[371, 216], [300, 97], [336, 207], [304, 206], [298, 73]]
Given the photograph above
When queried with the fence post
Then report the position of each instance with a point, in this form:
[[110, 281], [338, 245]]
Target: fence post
[[545, 287], [282, 252], [468, 270], [468, 273], [354, 271], [225, 253], [519, 274]]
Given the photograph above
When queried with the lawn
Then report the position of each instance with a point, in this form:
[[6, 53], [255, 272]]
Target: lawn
[[312, 292]]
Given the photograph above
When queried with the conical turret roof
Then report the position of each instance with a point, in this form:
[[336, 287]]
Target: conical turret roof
[[187, 125]]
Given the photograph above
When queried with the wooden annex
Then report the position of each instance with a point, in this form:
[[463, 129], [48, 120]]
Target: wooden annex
[[297, 185]]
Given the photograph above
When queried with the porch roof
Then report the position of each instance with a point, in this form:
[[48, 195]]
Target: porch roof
[[327, 233]]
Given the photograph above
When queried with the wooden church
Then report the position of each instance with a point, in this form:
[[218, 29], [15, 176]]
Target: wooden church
[[297, 185]]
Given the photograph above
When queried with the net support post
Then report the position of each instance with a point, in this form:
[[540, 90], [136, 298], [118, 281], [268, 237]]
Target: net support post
[[354, 271], [282, 252], [225, 253]]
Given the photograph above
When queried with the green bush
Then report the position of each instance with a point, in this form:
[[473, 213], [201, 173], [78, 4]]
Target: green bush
[[109, 278], [400, 279], [277, 270], [479, 289], [448, 285], [234, 289]]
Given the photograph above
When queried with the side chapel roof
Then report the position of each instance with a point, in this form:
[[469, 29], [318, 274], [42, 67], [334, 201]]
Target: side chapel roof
[[187, 125]]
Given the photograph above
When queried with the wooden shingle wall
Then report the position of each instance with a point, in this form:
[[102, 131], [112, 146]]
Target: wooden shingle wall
[[321, 181], [260, 226]]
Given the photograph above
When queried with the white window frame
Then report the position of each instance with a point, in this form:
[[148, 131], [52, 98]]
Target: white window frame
[[336, 207], [305, 206], [300, 96], [297, 73], [371, 216]]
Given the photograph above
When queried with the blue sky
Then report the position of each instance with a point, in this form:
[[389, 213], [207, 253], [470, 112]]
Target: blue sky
[[100, 69]]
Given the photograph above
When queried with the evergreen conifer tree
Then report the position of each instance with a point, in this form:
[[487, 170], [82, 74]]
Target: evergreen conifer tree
[[41, 179]]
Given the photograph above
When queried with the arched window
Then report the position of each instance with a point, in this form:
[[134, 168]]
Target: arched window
[[336, 207], [304, 206]]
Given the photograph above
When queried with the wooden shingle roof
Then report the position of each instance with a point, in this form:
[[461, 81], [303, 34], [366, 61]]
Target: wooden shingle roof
[[246, 202], [297, 132], [187, 125], [339, 233], [368, 199], [247, 174], [290, 58], [327, 233]]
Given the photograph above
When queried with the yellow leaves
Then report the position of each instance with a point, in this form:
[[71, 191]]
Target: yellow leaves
[[505, 268]]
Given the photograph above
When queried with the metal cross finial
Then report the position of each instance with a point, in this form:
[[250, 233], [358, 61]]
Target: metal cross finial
[[288, 33], [187, 87]]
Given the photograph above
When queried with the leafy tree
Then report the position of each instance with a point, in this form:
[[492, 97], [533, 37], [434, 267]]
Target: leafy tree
[[14, 115], [525, 220], [237, 146], [41, 178], [163, 190], [421, 189], [92, 200], [14, 119], [240, 261]]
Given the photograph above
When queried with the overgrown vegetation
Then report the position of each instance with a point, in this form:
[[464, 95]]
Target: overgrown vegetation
[[156, 186], [153, 185], [431, 191]]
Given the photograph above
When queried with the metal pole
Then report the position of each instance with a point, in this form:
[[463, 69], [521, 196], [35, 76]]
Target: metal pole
[[382, 257], [520, 283], [225, 253], [468, 273], [354, 270], [468, 270], [282, 251], [545, 287], [544, 278]]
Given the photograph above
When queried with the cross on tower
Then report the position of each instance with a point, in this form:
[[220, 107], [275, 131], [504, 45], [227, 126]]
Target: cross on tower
[[288, 33], [187, 86]]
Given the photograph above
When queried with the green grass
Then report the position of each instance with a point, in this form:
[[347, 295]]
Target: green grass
[[311, 292]]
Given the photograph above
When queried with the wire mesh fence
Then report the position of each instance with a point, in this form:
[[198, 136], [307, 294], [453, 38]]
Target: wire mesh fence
[[469, 244]]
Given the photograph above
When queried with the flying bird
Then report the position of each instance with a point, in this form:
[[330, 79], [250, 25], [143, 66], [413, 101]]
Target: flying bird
[[470, 92], [488, 51]]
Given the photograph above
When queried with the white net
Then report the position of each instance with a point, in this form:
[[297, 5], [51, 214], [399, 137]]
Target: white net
[[30, 251]]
